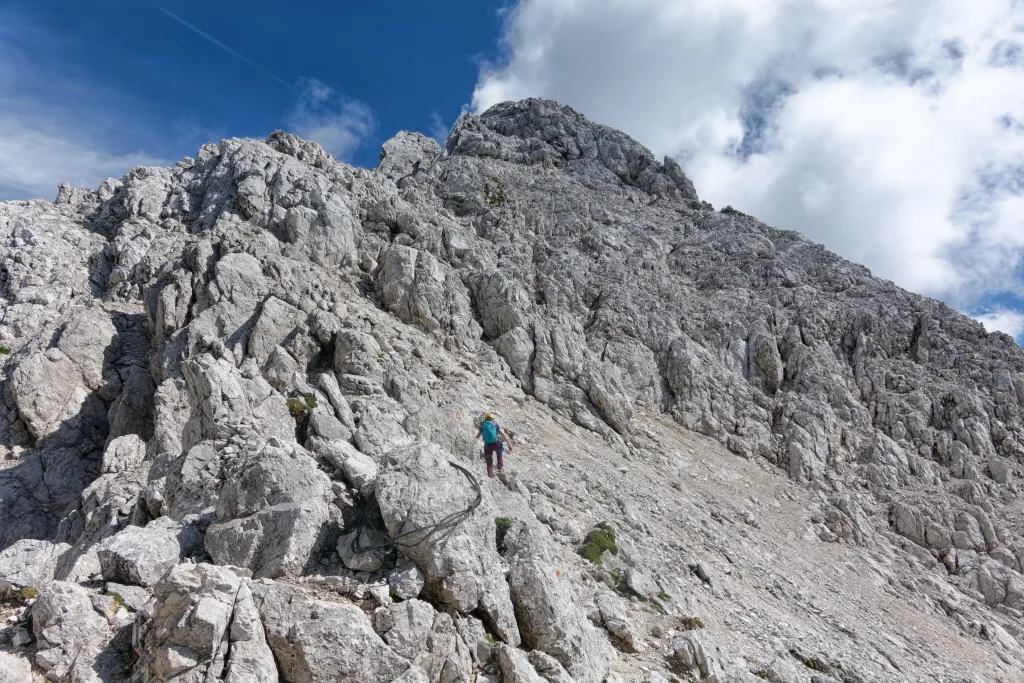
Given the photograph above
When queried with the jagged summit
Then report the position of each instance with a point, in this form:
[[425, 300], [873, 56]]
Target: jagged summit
[[543, 131], [229, 384]]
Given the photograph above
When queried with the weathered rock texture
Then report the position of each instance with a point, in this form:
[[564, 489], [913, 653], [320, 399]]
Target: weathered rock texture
[[217, 376]]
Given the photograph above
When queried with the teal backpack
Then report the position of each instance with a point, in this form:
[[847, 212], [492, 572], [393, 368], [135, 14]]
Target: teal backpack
[[489, 430]]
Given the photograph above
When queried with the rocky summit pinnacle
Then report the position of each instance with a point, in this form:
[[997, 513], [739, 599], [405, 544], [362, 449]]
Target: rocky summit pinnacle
[[237, 394]]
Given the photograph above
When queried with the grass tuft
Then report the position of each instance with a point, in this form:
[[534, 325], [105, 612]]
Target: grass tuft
[[118, 601], [600, 538], [297, 407], [502, 525], [18, 598]]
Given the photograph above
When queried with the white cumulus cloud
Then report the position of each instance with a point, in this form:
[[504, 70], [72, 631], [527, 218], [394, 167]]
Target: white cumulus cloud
[[338, 123], [54, 125], [1003, 320], [892, 131]]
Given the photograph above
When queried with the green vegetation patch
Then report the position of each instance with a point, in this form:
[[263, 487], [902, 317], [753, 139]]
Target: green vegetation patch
[[664, 597], [301, 407], [18, 598], [502, 525], [810, 662], [118, 601], [297, 407], [600, 538], [494, 193], [4, 351]]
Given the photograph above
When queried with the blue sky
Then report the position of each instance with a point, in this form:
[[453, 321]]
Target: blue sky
[[891, 131], [138, 83]]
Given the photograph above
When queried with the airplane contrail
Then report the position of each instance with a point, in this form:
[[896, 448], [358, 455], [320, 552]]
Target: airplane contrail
[[221, 45]]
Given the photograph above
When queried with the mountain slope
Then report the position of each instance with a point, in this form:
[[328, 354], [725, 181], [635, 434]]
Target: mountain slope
[[258, 355]]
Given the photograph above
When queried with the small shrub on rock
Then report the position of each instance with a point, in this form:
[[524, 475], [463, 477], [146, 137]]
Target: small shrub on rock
[[19, 597], [118, 601], [494, 193], [502, 525], [296, 407], [600, 538]]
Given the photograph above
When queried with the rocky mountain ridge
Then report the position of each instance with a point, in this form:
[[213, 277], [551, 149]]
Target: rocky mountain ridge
[[229, 384]]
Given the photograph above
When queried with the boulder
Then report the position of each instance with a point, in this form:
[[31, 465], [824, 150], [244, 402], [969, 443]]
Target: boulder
[[31, 563], [357, 469], [358, 353], [123, 454], [318, 641], [251, 659], [406, 582], [14, 669], [515, 666], [70, 633], [549, 668], [405, 626], [407, 153], [140, 556], [272, 511], [617, 622], [365, 561], [694, 652], [417, 489], [548, 616], [54, 402], [135, 598], [204, 619]]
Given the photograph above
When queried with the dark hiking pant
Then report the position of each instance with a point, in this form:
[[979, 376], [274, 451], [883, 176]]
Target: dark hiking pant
[[490, 449]]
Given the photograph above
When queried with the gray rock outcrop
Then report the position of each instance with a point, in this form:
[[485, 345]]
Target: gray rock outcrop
[[271, 512], [215, 375], [417, 489], [204, 623], [313, 640], [549, 619]]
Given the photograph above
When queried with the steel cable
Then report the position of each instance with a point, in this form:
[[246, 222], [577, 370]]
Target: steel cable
[[444, 527]]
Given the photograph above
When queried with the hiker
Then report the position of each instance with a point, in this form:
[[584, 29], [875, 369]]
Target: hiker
[[493, 436]]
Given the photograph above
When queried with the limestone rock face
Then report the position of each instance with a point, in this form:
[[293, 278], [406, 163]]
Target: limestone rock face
[[271, 512], [216, 376], [31, 563], [72, 635], [204, 621], [313, 640]]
